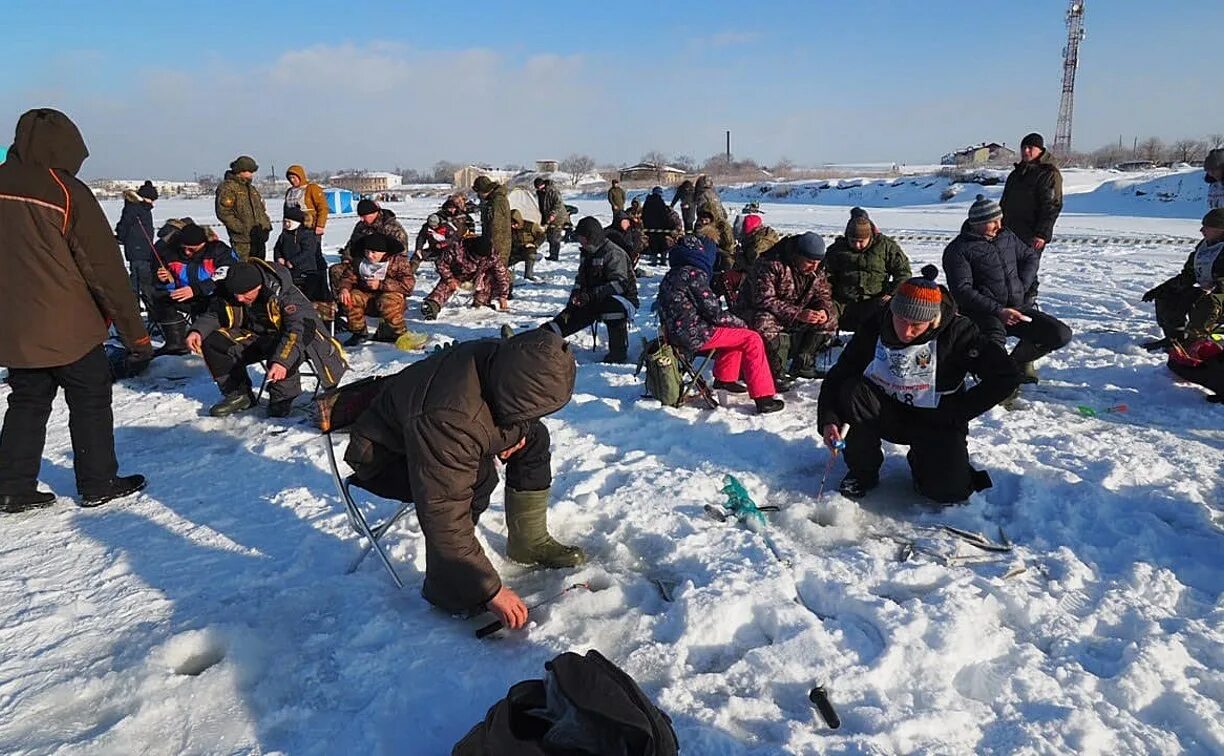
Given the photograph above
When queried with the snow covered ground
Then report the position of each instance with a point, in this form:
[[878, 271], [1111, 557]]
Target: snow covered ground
[[212, 614]]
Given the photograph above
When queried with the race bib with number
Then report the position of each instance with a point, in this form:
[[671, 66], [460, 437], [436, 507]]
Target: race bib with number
[[907, 374]]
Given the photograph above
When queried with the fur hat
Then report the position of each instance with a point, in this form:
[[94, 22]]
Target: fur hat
[[918, 299], [244, 163]]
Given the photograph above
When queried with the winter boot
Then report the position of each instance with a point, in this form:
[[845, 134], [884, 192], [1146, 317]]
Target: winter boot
[[1030, 372], [527, 538], [767, 404], [618, 342], [280, 407], [430, 309], [804, 366], [234, 401], [506, 332], [529, 270], [357, 339], [117, 488], [854, 487], [386, 334], [731, 387], [14, 503], [175, 334]]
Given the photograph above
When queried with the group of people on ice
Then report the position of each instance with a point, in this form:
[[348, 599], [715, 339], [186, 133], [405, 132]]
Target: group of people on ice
[[434, 432]]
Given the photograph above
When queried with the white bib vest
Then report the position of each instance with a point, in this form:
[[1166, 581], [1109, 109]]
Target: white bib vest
[[907, 374], [1204, 261], [372, 271]]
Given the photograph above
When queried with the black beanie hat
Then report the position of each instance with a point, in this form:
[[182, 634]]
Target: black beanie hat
[[589, 228], [810, 246], [478, 246], [367, 206], [192, 235], [295, 214], [241, 278], [148, 191], [1032, 140]]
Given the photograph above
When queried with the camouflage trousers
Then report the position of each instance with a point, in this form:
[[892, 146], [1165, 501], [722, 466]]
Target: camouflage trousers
[[1191, 312], [481, 292], [387, 305]]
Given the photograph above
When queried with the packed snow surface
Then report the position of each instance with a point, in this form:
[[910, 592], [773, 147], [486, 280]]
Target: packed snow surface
[[212, 613]]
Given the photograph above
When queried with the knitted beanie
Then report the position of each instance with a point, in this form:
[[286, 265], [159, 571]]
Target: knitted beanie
[[810, 246], [367, 206], [918, 299], [751, 223], [192, 235], [1033, 140], [984, 210], [241, 278], [860, 225], [1214, 218], [295, 214]]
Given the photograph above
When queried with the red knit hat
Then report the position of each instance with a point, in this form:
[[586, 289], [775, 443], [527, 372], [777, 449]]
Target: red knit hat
[[751, 223]]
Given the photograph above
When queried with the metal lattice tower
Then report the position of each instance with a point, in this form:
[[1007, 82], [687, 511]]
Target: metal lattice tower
[[1075, 33]]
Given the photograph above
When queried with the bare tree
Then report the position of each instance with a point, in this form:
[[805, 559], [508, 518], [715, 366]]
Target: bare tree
[[443, 172], [717, 165], [783, 166], [1152, 149], [1215, 141], [1187, 150], [685, 163], [655, 158], [208, 182], [577, 166]]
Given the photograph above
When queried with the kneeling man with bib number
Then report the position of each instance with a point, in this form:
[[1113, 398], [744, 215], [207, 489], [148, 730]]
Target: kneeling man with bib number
[[902, 379]]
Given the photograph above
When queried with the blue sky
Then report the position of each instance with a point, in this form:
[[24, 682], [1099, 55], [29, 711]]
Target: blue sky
[[175, 88]]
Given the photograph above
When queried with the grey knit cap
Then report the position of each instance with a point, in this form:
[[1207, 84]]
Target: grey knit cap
[[984, 210], [919, 299]]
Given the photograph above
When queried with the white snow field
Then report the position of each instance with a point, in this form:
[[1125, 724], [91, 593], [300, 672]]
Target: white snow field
[[212, 613]]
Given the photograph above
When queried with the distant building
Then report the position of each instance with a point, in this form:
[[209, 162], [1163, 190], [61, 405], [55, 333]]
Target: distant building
[[666, 175], [987, 153], [367, 182], [547, 166], [116, 187], [466, 176]]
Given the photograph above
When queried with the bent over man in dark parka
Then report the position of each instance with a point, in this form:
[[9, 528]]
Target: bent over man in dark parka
[[431, 438]]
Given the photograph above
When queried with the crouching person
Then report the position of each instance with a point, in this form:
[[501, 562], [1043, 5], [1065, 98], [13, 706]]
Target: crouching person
[[376, 280], [902, 379], [1190, 305], [469, 261], [694, 320], [786, 298], [259, 316], [604, 289], [432, 437]]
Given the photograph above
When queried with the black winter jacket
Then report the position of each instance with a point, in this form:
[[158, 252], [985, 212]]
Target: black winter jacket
[[299, 248], [960, 350], [986, 275], [1032, 199], [135, 229], [604, 272]]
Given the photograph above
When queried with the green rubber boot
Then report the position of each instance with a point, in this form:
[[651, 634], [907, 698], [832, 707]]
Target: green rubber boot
[[527, 538]]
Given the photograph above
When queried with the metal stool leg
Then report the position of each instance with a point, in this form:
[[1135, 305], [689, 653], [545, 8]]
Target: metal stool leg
[[356, 518]]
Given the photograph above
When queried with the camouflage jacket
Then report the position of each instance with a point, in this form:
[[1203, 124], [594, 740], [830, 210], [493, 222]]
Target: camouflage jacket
[[240, 208], [551, 205], [385, 224]]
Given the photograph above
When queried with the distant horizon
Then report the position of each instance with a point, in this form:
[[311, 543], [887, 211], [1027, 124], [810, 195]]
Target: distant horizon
[[158, 93]]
